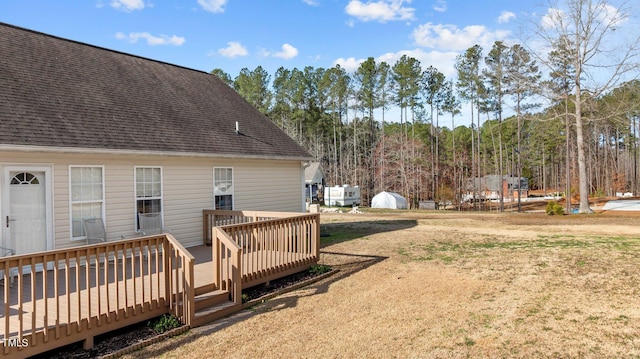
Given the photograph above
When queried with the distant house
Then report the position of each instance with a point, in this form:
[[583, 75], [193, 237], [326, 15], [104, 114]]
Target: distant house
[[87, 132], [488, 188], [314, 182]]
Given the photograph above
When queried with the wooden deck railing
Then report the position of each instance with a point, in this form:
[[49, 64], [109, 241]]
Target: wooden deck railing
[[274, 244], [227, 267], [51, 299], [180, 279], [215, 218], [55, 298]]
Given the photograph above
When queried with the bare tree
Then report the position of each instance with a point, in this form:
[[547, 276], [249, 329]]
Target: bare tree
[[606, 48], [561, 84]]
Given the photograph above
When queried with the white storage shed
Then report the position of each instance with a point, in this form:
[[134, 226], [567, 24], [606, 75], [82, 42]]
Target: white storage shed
[[389, 200]]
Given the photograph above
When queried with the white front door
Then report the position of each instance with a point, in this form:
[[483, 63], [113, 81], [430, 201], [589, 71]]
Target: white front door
[[26, 209]]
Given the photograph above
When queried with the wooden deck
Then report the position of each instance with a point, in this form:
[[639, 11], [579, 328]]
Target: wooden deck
[[55, 298], [97, 282]]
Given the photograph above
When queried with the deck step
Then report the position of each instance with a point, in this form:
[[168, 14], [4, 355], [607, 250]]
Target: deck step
[[205, 289], [210, 299], [210, 314]]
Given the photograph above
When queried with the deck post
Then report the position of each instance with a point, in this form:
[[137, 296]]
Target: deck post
[[205, 229], [88, 343], [190, 294], [166, 257], [316, 236], [237, 277], [215, 257]]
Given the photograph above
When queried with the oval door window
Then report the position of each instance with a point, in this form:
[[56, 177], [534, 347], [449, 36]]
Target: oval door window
[[24, 178]]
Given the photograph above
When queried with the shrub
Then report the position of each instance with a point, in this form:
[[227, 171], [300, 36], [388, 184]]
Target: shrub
[[164, 323], [319, 269], [554, 208]]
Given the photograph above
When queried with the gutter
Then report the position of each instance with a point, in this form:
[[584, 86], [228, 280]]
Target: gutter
[[104, 151]]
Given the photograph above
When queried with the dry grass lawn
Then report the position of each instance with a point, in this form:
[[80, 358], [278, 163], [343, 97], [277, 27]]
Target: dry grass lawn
[[449, 285]]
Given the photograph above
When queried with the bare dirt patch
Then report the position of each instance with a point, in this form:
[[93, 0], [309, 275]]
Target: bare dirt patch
[[446, 284]]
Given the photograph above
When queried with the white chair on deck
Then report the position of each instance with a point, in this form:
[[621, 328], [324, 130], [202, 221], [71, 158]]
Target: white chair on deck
[[5, 252], [151, 223], [94, 230]]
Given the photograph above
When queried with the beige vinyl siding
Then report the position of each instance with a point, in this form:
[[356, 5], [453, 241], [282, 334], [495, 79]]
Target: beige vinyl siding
[[268, 186], [120, 199], [187, 189], [61, 202]]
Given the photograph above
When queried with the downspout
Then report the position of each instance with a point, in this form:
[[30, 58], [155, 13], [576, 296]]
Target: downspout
[[304, 166]]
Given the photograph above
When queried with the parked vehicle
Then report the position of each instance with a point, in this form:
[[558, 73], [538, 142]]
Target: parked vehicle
[[344, 195]]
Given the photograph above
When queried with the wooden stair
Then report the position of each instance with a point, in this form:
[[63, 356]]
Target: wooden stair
[[212, 304]]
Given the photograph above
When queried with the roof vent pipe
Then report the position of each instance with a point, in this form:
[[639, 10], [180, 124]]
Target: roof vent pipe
[[237, 128]]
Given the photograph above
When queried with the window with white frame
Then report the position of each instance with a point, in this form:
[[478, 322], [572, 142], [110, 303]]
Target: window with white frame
[[223, 188], [86, 188], [148, 191]]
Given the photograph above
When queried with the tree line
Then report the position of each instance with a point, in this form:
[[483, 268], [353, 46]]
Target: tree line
[[563, 134]]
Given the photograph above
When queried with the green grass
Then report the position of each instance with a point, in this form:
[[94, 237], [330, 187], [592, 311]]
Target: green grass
[[448, 251], [469, 342], [347, 231], [340, 237]]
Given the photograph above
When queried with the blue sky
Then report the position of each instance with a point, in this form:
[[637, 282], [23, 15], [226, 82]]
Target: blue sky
[[234, 34]]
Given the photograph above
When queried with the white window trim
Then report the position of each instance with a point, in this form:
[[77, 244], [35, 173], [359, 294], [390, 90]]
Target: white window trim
[[72, 202], [135, 195], [233, 186]]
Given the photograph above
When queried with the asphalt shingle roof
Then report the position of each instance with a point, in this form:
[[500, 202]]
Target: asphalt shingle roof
[[65, 94]]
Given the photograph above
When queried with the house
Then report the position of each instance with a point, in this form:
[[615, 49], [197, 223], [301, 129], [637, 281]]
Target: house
[[87, 132], [314, 181], [488, 188]]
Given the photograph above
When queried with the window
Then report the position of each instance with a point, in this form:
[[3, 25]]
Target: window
[[148, 191], [86, 188], [24, 178], [223, 188]]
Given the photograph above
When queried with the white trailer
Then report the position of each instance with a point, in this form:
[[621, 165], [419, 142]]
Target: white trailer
[[344, 195]]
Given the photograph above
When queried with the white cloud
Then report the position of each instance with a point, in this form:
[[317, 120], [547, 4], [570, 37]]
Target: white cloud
[[151, 40], [612, 16], [443, 61], [604, 14], [441, 6], [552, 19], [288, 52], [311, 2], [213, 5], [451, 38], [349, 64], [506, 16], [315, 58], [381, 10], [233, 49], [127, 5]]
